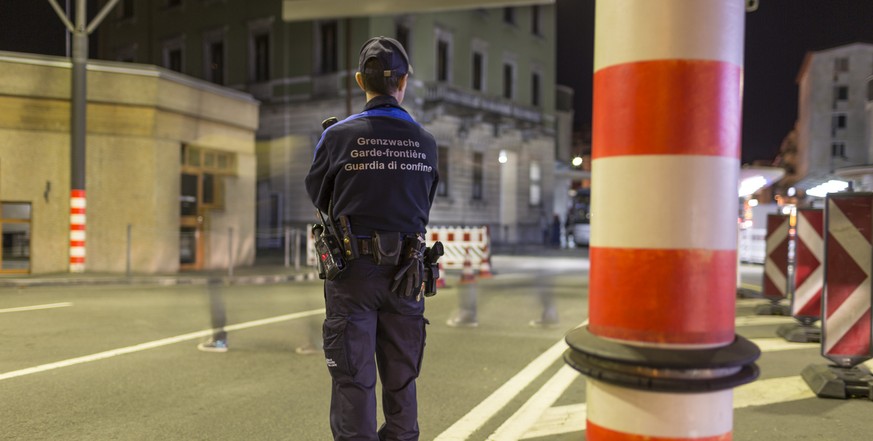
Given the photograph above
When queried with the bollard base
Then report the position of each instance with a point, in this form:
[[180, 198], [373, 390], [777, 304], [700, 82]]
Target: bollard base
[[830, 381], [662, 369], [800, 333]]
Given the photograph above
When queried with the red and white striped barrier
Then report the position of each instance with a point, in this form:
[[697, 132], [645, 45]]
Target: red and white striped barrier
[[457, 240], [847, 299], [666, 130], [775, 285], [808, 278], [467, 275], [809, 265], [846, 319], [77, 231]]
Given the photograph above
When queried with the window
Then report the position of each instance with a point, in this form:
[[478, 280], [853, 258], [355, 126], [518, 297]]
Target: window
[[213, 161], [838, 150], [536, 177], [535, 24], [535, 89], [328, 50], [509, 15], [442, 60], [202, 183], [478, 163], [172, 53], [478, 71], [215, 61], [508, 80], [443, 169], [173, 59], [838, 122], [125, 9], [15, 237], [841, 93], [841, 65], [260, 57], [126, 54], [870, 90], [174, 3]]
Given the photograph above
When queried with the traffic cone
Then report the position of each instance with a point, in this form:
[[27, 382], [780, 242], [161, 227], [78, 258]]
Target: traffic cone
[[467, 275], [441, 281], [485, 267]]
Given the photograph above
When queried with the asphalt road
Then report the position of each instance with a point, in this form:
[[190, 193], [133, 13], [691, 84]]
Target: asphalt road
[[120, 363]]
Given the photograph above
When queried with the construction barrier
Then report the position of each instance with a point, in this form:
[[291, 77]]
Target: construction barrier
[[847, 298], [775, 286], [467, 275], [311, 258], [808, 277], [457, 240], [846, 304]]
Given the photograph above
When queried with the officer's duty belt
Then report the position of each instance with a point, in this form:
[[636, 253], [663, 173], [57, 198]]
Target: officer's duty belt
[[365, 246]]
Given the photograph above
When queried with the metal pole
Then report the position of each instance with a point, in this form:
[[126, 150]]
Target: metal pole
[[78, 128], [296, 249], [287, 247], [230, 252], [78, 107], [129, 243]]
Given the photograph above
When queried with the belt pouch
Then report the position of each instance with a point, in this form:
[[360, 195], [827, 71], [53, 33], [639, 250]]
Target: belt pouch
[[388, 248]]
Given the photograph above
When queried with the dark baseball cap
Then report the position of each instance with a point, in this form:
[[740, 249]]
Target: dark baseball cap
[[389, 52]]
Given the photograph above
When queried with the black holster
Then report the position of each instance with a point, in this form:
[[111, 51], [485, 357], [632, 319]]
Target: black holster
[[409, 280]]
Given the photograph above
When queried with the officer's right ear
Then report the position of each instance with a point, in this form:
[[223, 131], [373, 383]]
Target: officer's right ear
[[359, 78]]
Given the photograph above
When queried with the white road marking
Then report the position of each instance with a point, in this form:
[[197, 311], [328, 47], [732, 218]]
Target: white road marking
[[36, 307], [155, 344], [780, 344], [536, 418], [762, 320], [480, 414], [533, 409]]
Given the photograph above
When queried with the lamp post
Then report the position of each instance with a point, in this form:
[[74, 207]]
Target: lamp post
[[78, 127]]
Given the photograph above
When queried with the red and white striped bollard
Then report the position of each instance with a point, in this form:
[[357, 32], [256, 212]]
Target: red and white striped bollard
[[666, 137]]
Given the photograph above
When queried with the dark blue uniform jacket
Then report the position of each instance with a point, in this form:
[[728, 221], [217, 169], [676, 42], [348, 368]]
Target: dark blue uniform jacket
[[380, 168]]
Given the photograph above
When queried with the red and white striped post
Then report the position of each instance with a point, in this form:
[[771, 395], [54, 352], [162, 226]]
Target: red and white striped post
[[847, 299], [666, 139], [808, 278], [775, 287], [77, 231]]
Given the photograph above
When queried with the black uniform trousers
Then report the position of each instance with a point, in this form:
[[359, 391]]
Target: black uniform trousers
[[364, 318]]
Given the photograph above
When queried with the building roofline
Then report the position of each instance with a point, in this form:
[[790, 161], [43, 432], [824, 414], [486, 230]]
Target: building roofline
[[147, 70], [807, 59]]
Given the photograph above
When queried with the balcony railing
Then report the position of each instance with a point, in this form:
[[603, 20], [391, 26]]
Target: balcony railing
[[441, 92]]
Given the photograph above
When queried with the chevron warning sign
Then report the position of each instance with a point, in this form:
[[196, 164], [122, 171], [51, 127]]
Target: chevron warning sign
[[846, 338], [809, 264], [776, 262]]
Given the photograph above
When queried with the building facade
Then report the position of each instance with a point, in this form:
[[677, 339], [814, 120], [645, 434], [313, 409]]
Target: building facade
[[483, 84], [170, 169], [833, 130]]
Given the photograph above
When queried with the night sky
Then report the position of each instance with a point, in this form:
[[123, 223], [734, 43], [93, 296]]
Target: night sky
[[778, 36]]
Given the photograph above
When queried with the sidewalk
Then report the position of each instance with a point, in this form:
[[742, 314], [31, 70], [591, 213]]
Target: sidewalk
[[266, 270]]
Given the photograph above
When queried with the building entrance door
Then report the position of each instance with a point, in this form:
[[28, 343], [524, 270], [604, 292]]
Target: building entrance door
[[191, 226]]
